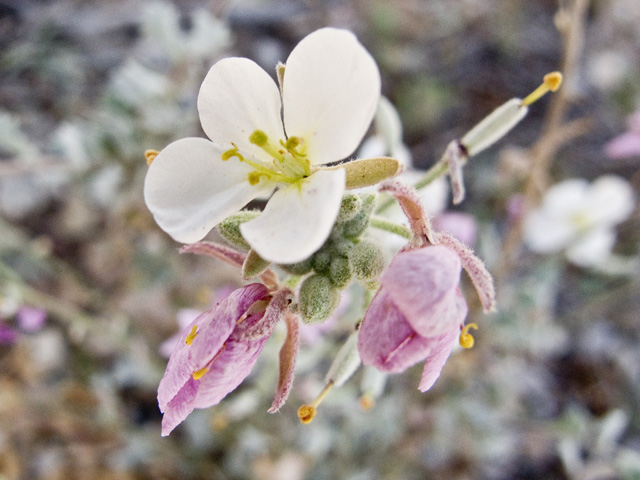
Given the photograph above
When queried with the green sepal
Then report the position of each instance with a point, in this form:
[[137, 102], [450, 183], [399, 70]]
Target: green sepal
[[253, 265], [229, 228]]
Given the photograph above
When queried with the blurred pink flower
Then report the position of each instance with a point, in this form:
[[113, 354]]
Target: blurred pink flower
[[416, 315], [31, 319], [217, 351], [461, 225], [626, 144]]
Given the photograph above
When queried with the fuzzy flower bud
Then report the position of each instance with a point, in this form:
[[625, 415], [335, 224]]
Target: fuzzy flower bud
[[318, 298]]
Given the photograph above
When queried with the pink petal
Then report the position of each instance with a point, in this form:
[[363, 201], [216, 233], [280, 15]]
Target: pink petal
[[423, 284], [440, 350], [180, 406], [623, 146], [386, 340]]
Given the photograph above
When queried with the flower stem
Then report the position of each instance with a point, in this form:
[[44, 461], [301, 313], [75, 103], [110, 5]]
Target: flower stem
[[435, 172], [391, 227]]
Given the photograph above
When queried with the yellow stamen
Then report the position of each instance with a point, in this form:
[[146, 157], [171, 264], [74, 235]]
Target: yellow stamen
[[198, 374], [232, 152], [466, 339], [550, 83], [307, 412], [192, 334], [150, 155]]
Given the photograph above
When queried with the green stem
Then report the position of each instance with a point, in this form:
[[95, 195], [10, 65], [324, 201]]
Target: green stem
[[436, 171], [391, 227]]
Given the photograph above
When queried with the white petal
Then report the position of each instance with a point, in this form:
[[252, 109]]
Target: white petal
[[611, 200], [593, 248], [547, 234], [189, 188], [236, 98], [330, 93], [298, 219]]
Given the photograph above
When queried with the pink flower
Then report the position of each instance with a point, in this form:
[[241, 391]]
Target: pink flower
[[217, 351], [418, 312], [416, 315], [626, 144]]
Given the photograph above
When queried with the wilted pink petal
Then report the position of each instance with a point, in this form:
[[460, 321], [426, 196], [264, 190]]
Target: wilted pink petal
[[386, 340], [216, 353], [288, 356], [440, 350]]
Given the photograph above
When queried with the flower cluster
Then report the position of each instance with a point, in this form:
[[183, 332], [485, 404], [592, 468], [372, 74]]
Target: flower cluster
[[311, 242]]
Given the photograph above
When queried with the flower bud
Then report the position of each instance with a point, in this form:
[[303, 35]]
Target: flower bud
[[318, 298], [340, 271], [359, 223], [367, 260], [350, 205], [299, 268], [229, 228]]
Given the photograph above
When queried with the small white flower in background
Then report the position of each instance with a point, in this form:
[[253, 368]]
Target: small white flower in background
[[579, 218], [261, 141]]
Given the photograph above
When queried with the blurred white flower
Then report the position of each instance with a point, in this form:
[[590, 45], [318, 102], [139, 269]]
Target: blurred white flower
[[579, 218]]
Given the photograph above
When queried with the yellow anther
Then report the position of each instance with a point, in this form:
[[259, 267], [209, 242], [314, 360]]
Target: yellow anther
[[367, 402], [198, 374], [553, 80], [258, 137], [307, 412], [292, 142], [254, 178], [550, 83], [466, 339], [150, 155], [232, 152], [192, 334]]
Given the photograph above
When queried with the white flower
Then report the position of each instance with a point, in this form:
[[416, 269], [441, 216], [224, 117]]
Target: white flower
[[261, 140], [580, 218]]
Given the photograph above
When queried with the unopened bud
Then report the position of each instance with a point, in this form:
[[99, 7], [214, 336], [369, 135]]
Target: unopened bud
[[359, 223], [340, 271], [299, 268], [350, 205], [367, 260], [318, 298], [229, 228]]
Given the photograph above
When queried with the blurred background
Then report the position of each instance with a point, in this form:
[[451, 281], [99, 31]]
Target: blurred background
[[91, 289]]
